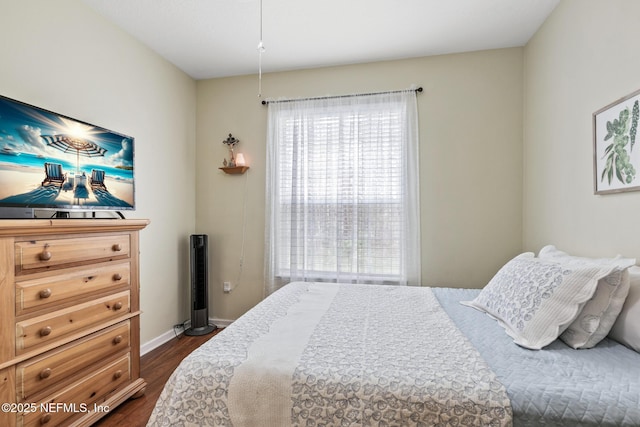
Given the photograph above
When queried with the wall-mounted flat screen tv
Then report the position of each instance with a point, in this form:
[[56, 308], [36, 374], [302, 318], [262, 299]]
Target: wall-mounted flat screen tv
[[50, 161]]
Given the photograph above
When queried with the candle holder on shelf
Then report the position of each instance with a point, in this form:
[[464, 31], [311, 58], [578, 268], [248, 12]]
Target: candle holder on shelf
[[236, 164]]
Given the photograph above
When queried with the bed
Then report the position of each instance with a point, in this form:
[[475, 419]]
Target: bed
[[319, 354]]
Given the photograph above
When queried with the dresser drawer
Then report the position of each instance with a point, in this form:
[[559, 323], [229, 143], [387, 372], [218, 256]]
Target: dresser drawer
[[45, 253], [79, 397], [53, 289], [44, 371], [41, 330]]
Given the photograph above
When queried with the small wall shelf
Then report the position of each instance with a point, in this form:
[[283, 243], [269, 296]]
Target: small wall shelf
[[237, 170]]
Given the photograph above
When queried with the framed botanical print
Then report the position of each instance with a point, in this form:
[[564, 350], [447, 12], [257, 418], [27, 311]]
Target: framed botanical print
[[616, 146]]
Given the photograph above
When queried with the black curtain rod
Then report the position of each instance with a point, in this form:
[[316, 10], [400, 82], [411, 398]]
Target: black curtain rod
[[265, 102]]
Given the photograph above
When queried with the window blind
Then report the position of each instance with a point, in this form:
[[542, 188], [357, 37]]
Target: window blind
[[340, 207]]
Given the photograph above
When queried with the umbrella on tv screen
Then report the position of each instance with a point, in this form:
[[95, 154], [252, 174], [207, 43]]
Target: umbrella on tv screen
[[48, 160]]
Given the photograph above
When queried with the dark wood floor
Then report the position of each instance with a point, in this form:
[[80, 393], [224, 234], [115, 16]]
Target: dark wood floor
[[156, 367]]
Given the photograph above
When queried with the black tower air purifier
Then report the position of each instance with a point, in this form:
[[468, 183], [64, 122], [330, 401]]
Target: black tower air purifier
[[199, 284]]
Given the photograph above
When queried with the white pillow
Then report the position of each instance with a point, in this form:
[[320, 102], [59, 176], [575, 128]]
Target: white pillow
[[626, 329], [599, 313], [535, 299]]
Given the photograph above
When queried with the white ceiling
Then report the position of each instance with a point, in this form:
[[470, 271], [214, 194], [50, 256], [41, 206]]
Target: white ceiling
[[216, 38]]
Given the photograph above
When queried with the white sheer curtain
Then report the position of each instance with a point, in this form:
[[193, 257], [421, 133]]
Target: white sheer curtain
[[342, 190]]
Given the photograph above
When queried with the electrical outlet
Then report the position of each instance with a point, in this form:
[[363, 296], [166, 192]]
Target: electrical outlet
[[226, 286]]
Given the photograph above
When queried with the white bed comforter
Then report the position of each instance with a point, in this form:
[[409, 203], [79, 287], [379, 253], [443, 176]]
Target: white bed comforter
[[336, 355]]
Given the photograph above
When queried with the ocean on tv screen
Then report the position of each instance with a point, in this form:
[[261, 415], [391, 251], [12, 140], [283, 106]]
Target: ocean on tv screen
[[52, 161]]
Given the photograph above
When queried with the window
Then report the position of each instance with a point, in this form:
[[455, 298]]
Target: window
[[342, 190]]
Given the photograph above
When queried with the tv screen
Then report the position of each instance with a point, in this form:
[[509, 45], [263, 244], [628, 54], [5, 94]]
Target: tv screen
[[51, 161]]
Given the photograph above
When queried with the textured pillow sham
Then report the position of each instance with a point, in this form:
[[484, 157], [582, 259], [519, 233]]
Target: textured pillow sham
[[535, 299], [626, 329], [599, 313]]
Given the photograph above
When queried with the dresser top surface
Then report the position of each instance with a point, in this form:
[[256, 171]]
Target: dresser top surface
[[22, 227]]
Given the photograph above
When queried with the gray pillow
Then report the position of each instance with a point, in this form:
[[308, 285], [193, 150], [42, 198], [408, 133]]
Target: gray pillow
[[626, 329]]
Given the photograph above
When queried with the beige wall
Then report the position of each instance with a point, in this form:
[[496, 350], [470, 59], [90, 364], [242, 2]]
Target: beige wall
[[476, 209], [470, 164], [584, 57], [63, 57], [471, 148]]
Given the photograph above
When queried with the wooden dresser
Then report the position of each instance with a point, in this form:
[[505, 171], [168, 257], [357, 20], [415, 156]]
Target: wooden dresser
[[70, 326]]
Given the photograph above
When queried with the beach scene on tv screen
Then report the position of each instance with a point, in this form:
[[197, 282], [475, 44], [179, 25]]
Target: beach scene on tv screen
[[49, 160]]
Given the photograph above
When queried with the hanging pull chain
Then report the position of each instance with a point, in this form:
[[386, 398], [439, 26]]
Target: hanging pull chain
[[261, 50]]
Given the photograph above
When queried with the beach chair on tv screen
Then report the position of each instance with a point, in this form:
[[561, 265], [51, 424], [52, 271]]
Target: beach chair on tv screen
[[97, 179], [53, 174]]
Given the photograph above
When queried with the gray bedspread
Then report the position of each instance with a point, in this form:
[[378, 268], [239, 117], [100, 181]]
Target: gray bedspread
[[556, 386], [336, 355]]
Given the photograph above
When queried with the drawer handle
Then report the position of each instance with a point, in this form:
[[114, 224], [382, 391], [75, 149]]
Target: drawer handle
[[45, 419], [46, 373], [117, 277], [117, 375], [117, 306], [118, 339], [45, 331], [45, 255], [45, 293], [117, 247]]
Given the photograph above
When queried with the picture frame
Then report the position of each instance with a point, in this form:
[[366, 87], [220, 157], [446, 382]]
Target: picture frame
[[616, 146]]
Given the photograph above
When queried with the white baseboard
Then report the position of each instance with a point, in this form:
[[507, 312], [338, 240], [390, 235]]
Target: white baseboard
[[156, 342], [221, 323], [170, 334]]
